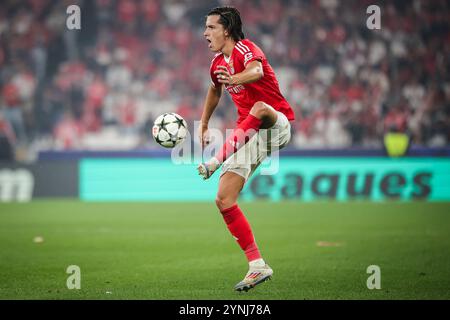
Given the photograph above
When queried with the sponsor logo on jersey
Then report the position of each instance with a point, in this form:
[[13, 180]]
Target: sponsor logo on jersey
[[235, 89]]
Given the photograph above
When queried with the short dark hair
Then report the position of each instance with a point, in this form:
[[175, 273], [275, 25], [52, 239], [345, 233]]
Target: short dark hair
[[230, 18]]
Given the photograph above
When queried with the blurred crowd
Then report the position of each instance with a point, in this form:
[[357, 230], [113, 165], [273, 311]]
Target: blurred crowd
[[102, 86]]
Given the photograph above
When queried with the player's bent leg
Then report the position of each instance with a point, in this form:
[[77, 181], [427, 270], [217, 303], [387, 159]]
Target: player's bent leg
[[230, 185], [264, 112], [262, 116]]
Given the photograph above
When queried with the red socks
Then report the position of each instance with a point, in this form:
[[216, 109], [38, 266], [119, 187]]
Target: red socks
[[244, 131], [233, 216], [241, 231]]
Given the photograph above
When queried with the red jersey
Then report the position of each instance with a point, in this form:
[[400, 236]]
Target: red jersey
[[246, 95]]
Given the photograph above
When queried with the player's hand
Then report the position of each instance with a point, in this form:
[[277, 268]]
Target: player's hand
[[203, 134], [223, 76]]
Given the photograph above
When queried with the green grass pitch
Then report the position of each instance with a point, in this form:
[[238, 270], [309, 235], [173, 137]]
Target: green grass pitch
[[184, 251]]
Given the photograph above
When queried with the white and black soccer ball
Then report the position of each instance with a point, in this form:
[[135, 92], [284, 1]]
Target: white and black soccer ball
[[169, 130]]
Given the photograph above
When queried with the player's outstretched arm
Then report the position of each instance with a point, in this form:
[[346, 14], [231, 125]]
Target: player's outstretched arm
[[211, 102]]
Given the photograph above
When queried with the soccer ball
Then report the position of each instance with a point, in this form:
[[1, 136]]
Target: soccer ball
[[169, 130]]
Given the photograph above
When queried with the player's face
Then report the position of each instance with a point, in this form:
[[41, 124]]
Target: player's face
[[214, 33]]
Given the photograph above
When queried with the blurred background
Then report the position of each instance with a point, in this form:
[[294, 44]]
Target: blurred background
[[101, 87], [364, 181]]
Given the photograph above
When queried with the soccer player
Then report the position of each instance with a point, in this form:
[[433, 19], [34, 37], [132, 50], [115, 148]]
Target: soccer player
[[242, 68]]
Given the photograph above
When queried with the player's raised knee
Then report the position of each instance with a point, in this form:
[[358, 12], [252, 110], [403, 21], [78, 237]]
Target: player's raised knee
[[260, 109]]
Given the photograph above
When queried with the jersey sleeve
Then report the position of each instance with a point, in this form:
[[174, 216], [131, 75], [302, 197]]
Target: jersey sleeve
[[249, 52]]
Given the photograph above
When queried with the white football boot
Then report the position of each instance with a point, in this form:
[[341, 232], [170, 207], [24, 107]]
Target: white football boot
[[206, 169], [254, 276]]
